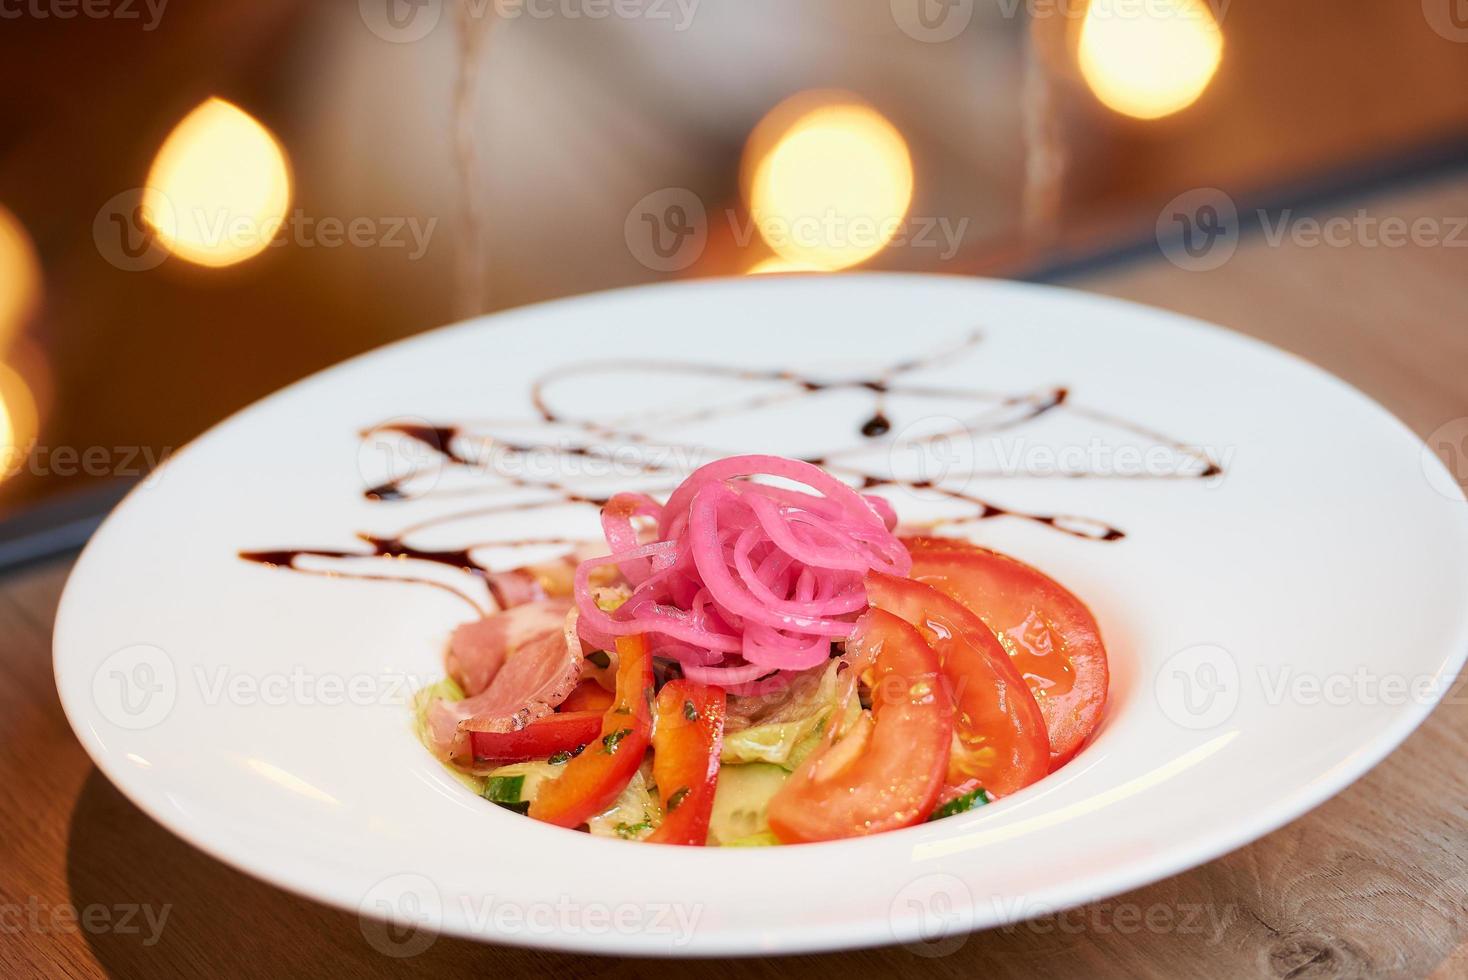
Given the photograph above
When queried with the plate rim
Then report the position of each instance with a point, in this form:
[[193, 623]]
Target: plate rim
[[1175, 859]]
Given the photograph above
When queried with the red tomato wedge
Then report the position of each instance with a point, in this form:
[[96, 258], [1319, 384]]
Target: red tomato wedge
[[883, 775], [1051, 636], [588, 696], [592, 780], [999, 735], [560, 732], [686, 743]]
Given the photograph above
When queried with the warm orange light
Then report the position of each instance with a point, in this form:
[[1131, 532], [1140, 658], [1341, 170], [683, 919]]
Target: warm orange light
[[18, 421], [775, 264], [828, 180], [219, 188], [1149, 60], [20, 277]]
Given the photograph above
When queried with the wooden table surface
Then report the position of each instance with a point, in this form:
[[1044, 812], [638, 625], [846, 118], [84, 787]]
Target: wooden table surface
[[1374, 882]]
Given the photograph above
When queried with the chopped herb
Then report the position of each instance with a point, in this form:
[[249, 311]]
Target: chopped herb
[[689, 711], [961, 804], [679, 795], [578, 750], [610, 742], [504, 789], [631, 830], [506, 792], [599, 659], [561, 758]]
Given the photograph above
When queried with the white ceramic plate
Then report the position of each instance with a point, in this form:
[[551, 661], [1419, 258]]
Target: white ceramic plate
[[1274, 630]]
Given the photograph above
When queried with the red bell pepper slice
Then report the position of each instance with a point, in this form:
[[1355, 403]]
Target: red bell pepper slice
[[564, 731], [593, 780], [588, 696], [686, 744]]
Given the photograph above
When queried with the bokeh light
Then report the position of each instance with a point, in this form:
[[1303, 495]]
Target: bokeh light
[[219, 188], [1149, 60], [18, 421], [828, 180], [772, 264], [20, 278]]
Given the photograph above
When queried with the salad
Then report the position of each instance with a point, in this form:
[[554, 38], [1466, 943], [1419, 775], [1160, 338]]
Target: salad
[[763, 659]]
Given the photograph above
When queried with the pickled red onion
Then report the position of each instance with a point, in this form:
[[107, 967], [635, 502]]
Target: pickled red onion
[[747, 579]]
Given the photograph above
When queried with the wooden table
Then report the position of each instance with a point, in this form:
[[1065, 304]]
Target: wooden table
[[1372, 883]]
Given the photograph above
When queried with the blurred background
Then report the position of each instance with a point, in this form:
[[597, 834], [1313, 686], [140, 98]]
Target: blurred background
[[203, 201]]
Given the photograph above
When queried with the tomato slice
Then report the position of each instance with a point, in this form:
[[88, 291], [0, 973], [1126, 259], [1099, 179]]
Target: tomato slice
[[999, 735], [686, 744], [592, 780], [560, 732], [588, 696], [1051, 636], [884, 774]]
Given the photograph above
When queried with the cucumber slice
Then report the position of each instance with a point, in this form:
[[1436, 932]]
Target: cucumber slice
[[961, 804], [633, 816], [513, 787], [741, 800], [507, 791]]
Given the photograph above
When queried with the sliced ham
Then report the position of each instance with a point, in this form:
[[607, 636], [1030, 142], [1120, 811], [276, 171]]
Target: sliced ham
[[515, 588], [552, 579], [528, 682], [479, 649]]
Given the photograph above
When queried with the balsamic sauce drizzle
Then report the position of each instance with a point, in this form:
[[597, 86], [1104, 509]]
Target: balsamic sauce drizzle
[[448, 446]]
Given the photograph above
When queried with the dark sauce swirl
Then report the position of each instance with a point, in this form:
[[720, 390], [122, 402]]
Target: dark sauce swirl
[[472, 448]]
